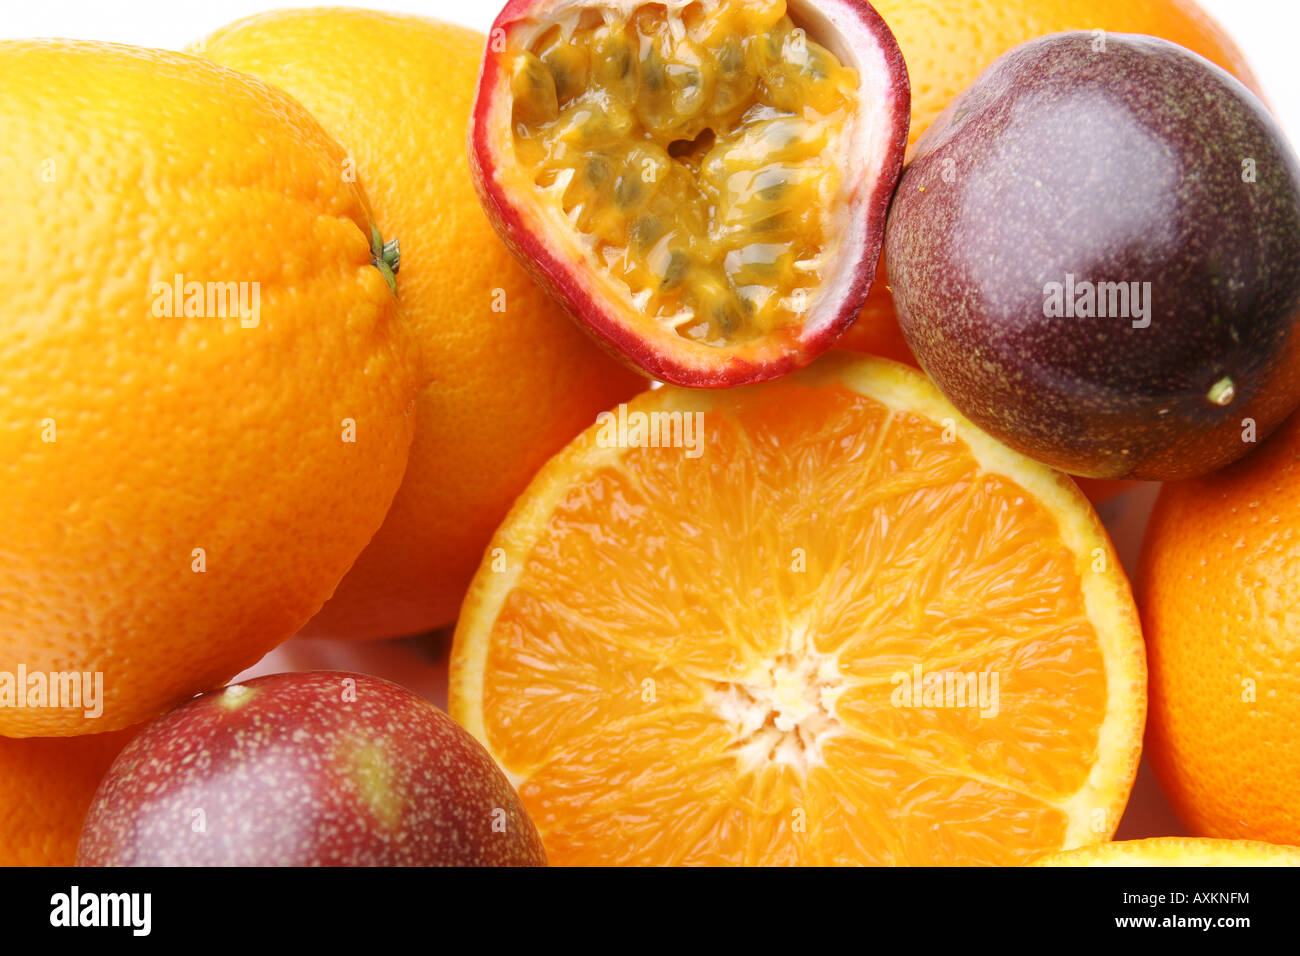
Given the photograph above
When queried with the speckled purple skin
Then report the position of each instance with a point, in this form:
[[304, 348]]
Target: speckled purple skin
[[1123, 165], [293, 774]]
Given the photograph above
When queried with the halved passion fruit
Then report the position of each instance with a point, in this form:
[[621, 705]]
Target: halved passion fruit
[[703, 185]]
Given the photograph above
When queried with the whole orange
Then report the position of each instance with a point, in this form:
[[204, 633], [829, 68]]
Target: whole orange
[[948, 43], [728, 685], [1219, 588], [46, 785], [513, 377], [205, 388]]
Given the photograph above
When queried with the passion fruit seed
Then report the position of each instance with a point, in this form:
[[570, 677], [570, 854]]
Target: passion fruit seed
[[690, 149], [536, 100], [569, 63]]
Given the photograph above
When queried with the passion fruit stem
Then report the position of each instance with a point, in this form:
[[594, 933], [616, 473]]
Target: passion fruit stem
[[1222, 392], [386, 257]]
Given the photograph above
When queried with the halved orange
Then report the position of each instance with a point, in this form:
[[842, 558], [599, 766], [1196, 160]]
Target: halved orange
[[706, 651], [1177, 851]]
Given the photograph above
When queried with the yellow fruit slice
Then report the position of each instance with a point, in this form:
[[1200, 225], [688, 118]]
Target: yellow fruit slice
[[1177, 851], [705, 651]]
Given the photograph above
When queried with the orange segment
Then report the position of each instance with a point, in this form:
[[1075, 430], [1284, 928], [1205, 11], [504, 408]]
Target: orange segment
[[903, 809], [844, 626]]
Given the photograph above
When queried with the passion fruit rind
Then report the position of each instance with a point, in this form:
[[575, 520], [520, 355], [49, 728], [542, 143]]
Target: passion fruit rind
[[707, 304]]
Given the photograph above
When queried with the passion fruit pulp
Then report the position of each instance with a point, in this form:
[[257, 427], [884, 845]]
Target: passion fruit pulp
[[702, 185]]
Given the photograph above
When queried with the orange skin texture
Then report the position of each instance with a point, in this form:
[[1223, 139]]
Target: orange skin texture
[[46, 785], [131, 434], [509, 388], [948, 43], [1219, 582]]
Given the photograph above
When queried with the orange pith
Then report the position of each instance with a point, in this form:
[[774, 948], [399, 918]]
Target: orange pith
[[708, 659], [688, 154]]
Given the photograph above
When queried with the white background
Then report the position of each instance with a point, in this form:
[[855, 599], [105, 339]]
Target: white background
[[1266, 30]]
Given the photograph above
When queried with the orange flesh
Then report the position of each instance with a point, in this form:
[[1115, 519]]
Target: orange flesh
[[692, 154], [671, 681]]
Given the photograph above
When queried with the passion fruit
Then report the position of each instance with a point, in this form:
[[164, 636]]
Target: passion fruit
[[323, 768], [1095, 253], [702, 185]]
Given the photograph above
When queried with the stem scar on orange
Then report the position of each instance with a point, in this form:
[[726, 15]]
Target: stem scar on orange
[[852, 629]]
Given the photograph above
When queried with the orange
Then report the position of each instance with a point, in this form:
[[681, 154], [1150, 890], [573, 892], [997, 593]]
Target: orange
[[513, 377], [46, 785], [179, 485], [837, 624], [1219, 587], [1177, 851], [948, 43]]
